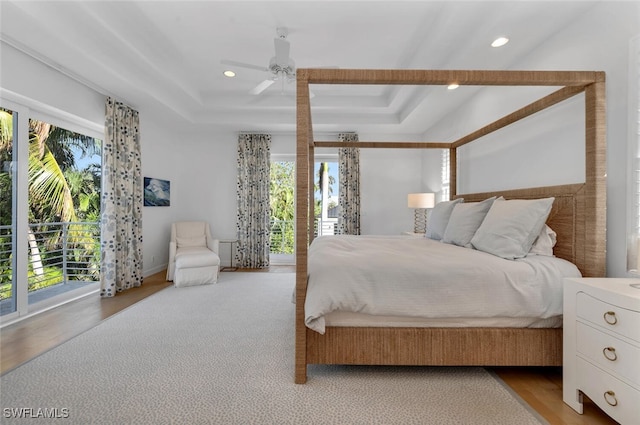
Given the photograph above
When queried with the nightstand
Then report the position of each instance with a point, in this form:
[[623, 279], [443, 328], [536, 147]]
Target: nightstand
[[601, 352]]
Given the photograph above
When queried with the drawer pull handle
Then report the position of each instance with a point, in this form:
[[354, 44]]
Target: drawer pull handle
[[610, 317], [610, 353], [610, 398]]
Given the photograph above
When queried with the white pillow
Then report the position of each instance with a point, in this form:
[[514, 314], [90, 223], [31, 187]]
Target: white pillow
[[544, 243], [465, 220], [511, 226], [439, 217], [194, 241]]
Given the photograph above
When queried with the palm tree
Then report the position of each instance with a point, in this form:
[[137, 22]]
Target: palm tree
[[86, 197], [49, 153], [51, 198], [324, 186]]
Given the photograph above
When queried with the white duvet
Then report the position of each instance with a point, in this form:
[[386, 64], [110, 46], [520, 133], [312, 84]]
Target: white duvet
[[419, 277]]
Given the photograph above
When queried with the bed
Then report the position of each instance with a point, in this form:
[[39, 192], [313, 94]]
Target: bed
[[577, 216]]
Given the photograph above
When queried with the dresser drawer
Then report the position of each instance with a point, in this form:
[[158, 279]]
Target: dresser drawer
[[616, 398], [608, 352], [615, 319]]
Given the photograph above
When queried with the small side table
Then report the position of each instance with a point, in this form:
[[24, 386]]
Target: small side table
[[232, 268]]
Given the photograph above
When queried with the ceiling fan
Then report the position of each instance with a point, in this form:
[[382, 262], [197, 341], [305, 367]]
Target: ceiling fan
[[281, 66]]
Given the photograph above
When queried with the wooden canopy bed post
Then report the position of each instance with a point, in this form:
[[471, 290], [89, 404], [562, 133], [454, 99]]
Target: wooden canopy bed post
[[578, 216], [304, 216], [595, 179], [453, 172]]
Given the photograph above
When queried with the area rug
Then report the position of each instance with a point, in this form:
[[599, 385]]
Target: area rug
[[224, 354]]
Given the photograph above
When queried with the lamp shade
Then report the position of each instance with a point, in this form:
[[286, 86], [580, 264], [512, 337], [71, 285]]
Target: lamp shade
[[421, 200]]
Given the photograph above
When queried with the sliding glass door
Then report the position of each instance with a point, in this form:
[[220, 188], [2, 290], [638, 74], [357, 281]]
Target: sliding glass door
[[50, 179]]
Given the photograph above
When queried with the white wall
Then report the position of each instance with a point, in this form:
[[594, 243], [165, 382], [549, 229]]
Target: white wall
[[43, 89], [201, 167], [386, 177]]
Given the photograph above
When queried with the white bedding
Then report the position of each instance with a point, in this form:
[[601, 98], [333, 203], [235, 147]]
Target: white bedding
[[423, 278]]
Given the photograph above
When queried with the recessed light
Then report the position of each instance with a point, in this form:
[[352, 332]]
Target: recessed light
[[229, 74], [453, 86], [500, 41]]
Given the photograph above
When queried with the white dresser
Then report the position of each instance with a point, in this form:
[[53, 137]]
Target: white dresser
[[601, 352]]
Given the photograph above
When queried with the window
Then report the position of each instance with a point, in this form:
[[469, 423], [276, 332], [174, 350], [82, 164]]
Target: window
[[446, 191]]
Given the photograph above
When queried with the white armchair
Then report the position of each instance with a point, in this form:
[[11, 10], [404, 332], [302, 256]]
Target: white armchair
[[193, 254]]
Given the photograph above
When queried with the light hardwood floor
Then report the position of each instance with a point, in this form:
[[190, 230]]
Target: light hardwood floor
[[541, 388]]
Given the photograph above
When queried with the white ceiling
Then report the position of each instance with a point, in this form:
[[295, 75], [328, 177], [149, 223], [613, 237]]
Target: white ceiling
[[164, 57]]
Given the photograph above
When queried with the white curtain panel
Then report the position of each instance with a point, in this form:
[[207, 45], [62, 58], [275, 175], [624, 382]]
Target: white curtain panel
[[121, 202], [349, 192], [254, 151]]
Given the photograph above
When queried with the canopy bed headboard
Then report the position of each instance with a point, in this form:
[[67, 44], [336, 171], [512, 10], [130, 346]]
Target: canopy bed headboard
[[578, 215]]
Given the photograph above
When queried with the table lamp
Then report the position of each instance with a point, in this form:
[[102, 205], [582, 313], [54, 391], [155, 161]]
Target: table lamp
[[420, 202]]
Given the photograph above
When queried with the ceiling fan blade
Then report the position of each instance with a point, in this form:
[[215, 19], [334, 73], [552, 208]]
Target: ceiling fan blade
[[244, 65], [282, 51], [261, 87]]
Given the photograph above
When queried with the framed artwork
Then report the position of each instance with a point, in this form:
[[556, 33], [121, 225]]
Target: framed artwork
[[157, 192]]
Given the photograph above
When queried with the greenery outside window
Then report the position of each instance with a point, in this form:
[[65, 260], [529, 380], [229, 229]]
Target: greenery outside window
[[282, 203]]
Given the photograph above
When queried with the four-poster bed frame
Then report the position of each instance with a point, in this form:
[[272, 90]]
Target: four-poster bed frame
[[578, 217]]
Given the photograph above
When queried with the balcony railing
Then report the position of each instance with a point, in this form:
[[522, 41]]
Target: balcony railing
[[283, 236], [59, 253], [326, 227]]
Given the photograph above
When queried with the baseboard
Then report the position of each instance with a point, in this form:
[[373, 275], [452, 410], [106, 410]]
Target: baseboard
[[156, 269]]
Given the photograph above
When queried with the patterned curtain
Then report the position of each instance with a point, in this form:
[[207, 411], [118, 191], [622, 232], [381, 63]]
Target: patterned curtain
[[253, 200], [121, 202], [349, 192]]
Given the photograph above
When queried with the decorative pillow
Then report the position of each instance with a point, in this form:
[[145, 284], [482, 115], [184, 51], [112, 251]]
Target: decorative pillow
[[439, 218], [544, 243], [195, 241], [511, 226], [465, 220]]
